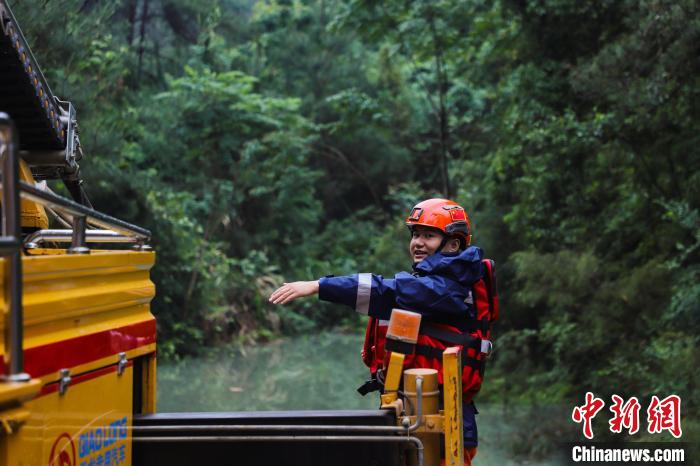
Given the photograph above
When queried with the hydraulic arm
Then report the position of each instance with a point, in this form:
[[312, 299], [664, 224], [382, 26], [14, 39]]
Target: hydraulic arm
[[47, 126]]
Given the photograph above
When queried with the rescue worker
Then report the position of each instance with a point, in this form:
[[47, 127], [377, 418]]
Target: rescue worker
[[440, 288]]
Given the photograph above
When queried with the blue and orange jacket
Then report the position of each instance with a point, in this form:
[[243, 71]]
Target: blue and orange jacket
[[453, 293], [438, 289]]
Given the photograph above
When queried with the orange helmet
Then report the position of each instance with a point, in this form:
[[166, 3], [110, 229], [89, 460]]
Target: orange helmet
[[443, 214]]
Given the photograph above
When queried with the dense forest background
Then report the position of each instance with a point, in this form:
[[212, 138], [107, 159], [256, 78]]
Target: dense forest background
[[270, 140]]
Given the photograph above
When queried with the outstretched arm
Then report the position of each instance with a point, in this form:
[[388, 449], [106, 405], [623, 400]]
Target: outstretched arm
[[359, 291], [377, 296], [291, 291]]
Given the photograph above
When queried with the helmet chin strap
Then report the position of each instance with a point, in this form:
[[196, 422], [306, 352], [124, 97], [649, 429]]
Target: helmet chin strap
[[443, 243]]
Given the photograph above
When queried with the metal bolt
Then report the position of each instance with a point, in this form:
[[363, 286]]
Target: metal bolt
[[64, 381], [121, 365]]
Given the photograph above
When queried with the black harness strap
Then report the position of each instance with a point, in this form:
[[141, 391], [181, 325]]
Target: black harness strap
[[485, 326], [436, 353], [475, 324], [398, 346], [463, 339]]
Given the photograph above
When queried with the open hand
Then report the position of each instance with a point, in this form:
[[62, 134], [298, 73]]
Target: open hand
[[291, 291]]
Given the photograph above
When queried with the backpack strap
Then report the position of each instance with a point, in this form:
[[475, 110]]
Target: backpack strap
[[480, 345], [448, 336], [436, 353], [491, 288]]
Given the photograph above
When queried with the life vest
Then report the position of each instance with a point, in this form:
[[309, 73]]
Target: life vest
[[434, 338]]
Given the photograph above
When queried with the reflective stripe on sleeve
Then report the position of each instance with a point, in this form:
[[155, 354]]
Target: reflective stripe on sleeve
[[364, 290]]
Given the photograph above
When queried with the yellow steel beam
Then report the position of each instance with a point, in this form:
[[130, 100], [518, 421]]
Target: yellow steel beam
[[452, 386], [393, 378], [32, 215], [148, 389]]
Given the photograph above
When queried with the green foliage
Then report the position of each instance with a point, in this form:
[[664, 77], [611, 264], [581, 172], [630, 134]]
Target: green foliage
[[592, 128]]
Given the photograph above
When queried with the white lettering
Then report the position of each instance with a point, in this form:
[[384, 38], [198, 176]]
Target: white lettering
[[635, 455], [583, 453], [576, 453]]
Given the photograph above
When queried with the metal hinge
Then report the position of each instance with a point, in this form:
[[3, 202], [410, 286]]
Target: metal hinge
[[121, 365], [63, 381]]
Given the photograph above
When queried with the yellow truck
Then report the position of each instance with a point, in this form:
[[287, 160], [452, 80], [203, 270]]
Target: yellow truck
[[78, 357]]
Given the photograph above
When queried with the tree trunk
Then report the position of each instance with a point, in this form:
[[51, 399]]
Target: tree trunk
[[131, 14], [159, 67], [441, 79], [142, 40]]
